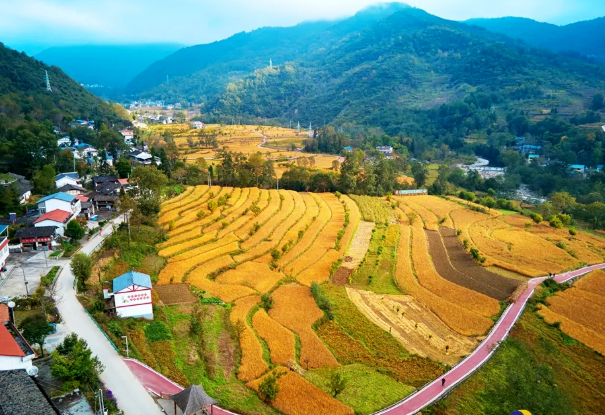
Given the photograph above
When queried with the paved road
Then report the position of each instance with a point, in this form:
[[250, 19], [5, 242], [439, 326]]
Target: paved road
[[132, 397]]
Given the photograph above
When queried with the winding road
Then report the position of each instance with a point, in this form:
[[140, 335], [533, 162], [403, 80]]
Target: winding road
[[131, 381]]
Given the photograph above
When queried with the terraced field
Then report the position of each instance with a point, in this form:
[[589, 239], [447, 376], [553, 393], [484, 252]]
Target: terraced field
[[411, 289], [580, 310]]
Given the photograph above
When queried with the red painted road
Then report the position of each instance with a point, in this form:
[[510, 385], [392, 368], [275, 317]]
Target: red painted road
[[158, 384]]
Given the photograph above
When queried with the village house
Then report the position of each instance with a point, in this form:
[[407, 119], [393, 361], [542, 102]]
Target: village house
[[84, 151], [128, 135], [56, 218], [143, 158], [386, 150], [62, 179], [59, 201], [72, 189], [17, 182], [88, 209], [101, 180], [64, 141], [198, 125], [35, 237], [15, 352], [131, 296]]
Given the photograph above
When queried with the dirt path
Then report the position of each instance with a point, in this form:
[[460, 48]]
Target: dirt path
[[355, 253], [419, 330]]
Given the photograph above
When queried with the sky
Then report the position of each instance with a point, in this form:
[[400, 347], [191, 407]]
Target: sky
[[31, 24]]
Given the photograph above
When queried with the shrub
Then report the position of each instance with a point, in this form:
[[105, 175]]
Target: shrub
[[157, 331], [321, 300], [536, 217], [556, 223], [269, 388], [212, 205], [573, 232], [266, 301], [275, 254], [565, 219], [561, 245]]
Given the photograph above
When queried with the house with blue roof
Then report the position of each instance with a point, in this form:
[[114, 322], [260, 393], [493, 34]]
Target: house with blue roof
[[131, 296], [84, 151], [577, 168], [60, 201], [62, 179]]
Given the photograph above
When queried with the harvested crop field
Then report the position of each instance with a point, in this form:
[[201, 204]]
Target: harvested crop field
[[297, 396], [175, 294], [420, 331]]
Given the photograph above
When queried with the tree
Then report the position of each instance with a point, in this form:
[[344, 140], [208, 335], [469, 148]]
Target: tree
[[123, 168], [597, 102], [337, 383], [562, 201], [74, 230], [44, 180], [35, 329], [73, 362], [81, 266], [269, 388], [151, 181], [266, 301], [420, 174]]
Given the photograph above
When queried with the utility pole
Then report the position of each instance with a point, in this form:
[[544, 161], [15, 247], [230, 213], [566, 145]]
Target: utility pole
[[127, 354]]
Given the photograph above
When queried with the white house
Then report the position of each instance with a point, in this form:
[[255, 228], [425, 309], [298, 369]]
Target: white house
[[23, 187], [386, 150], [128, 135], [59, 201], [84, 151], [198, 125], [131, 295], [15, 352], [143, 157], [64, 141], [57, 218], [62, 179]]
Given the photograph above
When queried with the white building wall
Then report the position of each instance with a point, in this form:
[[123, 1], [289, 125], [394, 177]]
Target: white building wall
[[54, 204], [66, 180], [60, 226], [15, 362], [145, 310]]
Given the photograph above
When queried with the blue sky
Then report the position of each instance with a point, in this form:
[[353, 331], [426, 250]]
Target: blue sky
[[65, 22]]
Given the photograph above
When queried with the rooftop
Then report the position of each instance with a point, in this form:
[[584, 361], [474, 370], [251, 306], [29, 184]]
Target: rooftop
[[69, 187], [4, 314], [82, 198], [56, 215], [61, 196], [36, 232], [104, 179], [73, 175], [130, 278], [21, 395], [8, 344]]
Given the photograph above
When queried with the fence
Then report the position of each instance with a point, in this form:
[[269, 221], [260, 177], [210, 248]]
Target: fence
[[102, 331]]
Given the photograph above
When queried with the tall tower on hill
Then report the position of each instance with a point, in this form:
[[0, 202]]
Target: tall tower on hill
[[270, 64], [310, 131], [48, 88], [298, 129]]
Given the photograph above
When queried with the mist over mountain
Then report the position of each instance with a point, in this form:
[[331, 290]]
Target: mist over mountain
[[585, 38], [111, 66]]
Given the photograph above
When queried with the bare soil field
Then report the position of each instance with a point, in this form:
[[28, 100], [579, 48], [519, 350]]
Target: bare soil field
[[468, 279], [418, 329], [461, 261], [175, 294]]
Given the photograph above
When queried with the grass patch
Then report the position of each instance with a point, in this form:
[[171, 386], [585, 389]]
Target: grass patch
[[374, 209], [48, 279], [377, 271], [366, 391]]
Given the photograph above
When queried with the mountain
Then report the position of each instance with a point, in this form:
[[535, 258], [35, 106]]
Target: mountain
[[393, 72], [29, 113], [111, 66], [200, 71], [586, 38]]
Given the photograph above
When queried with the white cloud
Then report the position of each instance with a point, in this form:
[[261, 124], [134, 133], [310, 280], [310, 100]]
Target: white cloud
[[199, 21]]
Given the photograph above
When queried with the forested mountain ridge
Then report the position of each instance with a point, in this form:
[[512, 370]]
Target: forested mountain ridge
[[585, 38], [29, 113], [394, 70], [112, 66], [199, 72]]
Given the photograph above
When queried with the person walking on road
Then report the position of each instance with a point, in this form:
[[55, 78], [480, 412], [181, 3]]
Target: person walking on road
[[443, 382]]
